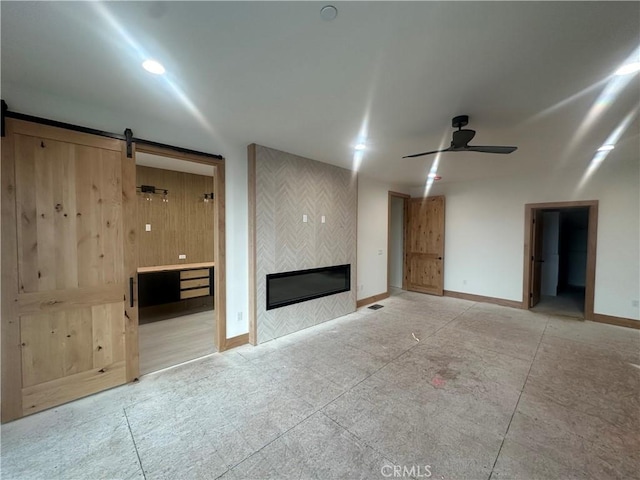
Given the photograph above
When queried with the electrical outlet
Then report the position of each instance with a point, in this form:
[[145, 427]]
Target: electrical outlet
[[379, 252], [464, 282], [323, 219], [239, 316], [305, 219], [147, 227], [634, 303], [182, 256]]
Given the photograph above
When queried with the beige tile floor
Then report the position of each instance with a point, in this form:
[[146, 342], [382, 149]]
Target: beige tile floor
[[484, 392]]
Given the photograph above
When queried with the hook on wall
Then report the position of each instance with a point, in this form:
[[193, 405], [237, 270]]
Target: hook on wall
[[150, 190]]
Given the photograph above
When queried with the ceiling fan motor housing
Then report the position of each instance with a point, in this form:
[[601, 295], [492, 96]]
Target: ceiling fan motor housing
[[462, 137], [460, 121]]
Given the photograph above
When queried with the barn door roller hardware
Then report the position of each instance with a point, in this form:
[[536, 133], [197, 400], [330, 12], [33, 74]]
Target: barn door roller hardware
[[4, 111], [128, 135]]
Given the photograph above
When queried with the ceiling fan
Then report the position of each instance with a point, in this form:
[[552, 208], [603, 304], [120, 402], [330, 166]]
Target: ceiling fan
[[461, 139]]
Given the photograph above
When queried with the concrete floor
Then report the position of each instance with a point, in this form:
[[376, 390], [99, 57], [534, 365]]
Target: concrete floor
[[432, 385]]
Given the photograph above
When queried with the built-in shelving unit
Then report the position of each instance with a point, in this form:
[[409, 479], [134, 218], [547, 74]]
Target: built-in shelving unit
[[195, 283], [174, 283]]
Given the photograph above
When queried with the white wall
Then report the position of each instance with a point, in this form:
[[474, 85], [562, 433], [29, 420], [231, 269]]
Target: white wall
[[484, 233], [167, 130], [372, 235], [237, 237], [396, 228]]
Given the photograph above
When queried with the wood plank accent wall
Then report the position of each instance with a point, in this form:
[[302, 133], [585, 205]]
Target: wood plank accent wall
[[184, 225]]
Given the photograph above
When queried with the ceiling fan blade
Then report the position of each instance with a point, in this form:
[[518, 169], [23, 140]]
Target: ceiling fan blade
[[490, 149], [427, 153]]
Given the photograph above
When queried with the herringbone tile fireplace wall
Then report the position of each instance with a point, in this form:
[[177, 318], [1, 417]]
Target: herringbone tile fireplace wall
[[288, 187]]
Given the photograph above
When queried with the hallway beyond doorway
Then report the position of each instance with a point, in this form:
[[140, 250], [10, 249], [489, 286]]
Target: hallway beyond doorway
[[568, 303]]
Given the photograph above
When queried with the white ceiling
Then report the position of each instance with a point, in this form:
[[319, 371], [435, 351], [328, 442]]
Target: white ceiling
[[274, 73]]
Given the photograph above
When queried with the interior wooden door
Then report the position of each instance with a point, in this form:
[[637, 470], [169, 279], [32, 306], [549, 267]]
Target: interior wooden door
[[424, 269], [536, 257], [68, 329]]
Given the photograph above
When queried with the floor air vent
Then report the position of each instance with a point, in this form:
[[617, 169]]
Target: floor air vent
[[376, 307]]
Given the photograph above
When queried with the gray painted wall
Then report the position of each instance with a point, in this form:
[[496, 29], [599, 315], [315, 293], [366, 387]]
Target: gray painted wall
[[288, 187]]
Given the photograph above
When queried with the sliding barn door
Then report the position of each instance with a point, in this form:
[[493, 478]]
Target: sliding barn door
[[69, 329], [424, 268]]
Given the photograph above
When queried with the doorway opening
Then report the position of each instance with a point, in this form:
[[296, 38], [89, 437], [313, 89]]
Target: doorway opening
[[560, 254], [178, 276], [396, 281]]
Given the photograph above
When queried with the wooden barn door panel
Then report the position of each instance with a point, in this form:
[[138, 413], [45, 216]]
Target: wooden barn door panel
[[69, 310], [425, 245]]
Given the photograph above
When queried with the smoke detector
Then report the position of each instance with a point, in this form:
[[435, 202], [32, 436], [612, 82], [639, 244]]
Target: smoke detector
[[328, 12]]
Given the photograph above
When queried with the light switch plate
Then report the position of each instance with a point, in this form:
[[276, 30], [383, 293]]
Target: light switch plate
[[305, 219], [147, 227], [323, 219], [182, 257]]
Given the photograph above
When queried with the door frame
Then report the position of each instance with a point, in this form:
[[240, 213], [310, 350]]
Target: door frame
[[405, 203], [592, 237], [219, 257]]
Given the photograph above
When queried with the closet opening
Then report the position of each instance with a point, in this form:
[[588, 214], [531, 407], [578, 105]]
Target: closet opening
[[560, 258], [178, 241]]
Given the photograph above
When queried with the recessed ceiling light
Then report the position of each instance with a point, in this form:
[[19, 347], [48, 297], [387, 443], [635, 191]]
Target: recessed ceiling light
[[360, 146], [432, 175], [328, 12], [606, 148], [153, 67], [628, 68]]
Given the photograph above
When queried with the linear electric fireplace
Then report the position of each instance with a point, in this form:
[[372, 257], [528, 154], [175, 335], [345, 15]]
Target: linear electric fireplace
[[288, 288]]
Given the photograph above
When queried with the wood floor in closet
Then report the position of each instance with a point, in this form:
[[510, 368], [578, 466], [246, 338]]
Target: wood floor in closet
[[170, 342]]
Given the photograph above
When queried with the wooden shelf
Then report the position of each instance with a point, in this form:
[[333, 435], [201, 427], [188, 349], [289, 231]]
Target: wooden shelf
[[183, 266], [194, 292]]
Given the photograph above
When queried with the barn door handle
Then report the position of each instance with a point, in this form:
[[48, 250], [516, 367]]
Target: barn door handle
[[439, 258], [131, 292]]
